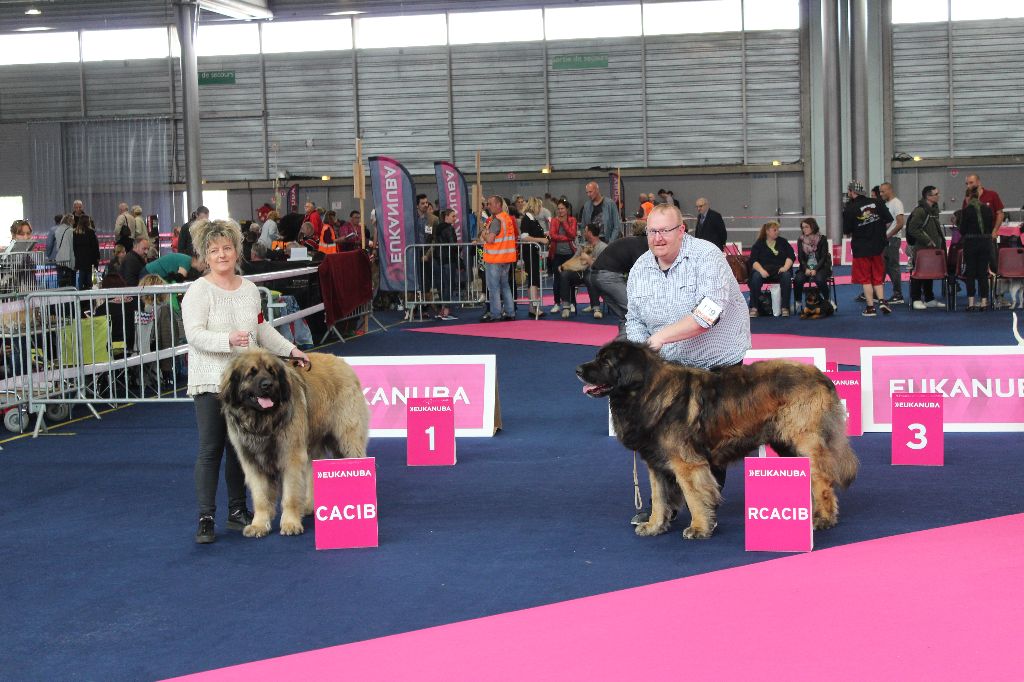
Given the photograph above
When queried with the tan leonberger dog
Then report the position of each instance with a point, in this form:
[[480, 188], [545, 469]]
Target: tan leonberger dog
[[280, 417], [683, 420]]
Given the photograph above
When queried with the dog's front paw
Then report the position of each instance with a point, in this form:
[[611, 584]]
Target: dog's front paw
[[292, 528], [695, 533], [824, 523], [648, 529], [256, 531]]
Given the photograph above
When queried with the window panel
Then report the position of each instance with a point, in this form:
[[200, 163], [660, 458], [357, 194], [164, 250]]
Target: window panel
[[465, 28], [11, 209], [307, 36], [408, 31], [919, 11], [611, 21], [771, 15], [214, 199], [216, 40], [136, 43], [704, 16], [973, 10], [38, 48]]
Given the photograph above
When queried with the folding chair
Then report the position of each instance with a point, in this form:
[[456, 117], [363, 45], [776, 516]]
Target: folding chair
[[1010, 265], [931, 264]]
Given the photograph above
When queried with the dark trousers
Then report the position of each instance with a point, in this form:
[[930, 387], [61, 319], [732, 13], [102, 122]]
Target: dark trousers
[[213, 444], [757, 280], [891, 255], [567, 283], [84, 279], [977, 256], [556, 261], [921, 290], [820, 278]]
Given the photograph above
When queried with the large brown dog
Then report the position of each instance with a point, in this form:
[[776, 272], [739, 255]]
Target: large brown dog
[[680, 419], [279, 418]]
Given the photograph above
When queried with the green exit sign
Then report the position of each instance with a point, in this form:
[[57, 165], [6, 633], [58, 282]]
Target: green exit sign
[[216, 77], [580, 61]]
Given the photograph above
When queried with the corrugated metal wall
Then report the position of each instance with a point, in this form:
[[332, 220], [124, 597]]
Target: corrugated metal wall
[[596, 117], [693, 102], [498, 99], [403, 105], [987, 95]]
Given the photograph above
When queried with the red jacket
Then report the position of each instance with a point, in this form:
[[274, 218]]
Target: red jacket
[[562, 233], [318, 223]]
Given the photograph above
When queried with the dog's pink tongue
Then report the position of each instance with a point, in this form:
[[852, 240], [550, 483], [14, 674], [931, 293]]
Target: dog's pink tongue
[[265, 403]]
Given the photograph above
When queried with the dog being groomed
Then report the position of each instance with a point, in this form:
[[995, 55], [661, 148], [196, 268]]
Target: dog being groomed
[[280, 417], [682, 419]]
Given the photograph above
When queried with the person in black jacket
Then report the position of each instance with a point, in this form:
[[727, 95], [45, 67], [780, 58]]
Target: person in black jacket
[[865, 220], [815, 259], [135, 262], [977, 222], [710, 225], [610, 271], [87, 251], [771, 260], [185, 237]]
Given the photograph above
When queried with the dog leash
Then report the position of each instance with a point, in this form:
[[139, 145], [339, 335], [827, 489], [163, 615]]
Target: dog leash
[[638, 501], [297, 363]]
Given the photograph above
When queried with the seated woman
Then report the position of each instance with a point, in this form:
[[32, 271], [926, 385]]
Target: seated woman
[[771, 260], [815, 260]]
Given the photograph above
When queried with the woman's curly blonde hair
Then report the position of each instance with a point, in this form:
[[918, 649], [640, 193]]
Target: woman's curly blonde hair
[[205, 232]]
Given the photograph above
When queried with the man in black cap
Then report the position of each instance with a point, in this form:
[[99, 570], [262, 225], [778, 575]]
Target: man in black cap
[[865, 221]]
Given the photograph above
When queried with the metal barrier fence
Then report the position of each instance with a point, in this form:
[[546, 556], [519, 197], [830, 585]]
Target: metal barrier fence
[[112, 346], [447, 275]]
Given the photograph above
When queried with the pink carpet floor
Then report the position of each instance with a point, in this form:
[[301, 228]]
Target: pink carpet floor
[[843, 351], [942, 604]]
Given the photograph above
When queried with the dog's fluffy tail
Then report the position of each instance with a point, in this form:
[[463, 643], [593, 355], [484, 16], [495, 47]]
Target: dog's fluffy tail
[[1016, 334], [842, 465]]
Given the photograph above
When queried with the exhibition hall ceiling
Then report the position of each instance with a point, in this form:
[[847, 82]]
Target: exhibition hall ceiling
[[65, 15]]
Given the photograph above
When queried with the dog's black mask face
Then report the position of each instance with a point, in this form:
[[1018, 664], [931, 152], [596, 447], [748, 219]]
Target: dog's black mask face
[[260, 384], [813, 298], [619, 366]]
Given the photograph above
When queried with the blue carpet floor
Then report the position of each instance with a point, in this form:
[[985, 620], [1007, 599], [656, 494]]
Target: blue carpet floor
[[101, 579]]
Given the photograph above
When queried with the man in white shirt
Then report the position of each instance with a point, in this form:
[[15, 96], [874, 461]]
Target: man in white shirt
[[894, 233]]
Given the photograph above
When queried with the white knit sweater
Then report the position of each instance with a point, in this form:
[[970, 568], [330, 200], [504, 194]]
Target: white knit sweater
[[210, 314]]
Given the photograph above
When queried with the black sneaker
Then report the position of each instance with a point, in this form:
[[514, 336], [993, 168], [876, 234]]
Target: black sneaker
[[239, 518], [869, 311], [205, 534], [898, 300], [505, 317], [884, 307], [860, 298], [487, 317]]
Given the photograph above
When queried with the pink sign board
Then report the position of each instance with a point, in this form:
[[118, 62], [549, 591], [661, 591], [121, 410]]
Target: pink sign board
[[390, 382], [431, 429], [917, 434], [848, 388], [766, 451], [831, 368], [345, 503], [982, 386], [777, 499]]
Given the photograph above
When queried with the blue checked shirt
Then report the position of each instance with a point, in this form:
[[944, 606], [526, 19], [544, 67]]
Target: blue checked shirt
[[658, 299]]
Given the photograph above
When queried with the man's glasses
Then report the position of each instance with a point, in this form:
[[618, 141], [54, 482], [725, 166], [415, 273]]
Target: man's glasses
[[662, 233]]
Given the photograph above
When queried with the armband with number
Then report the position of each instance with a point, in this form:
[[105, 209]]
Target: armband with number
[[708, 312]]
